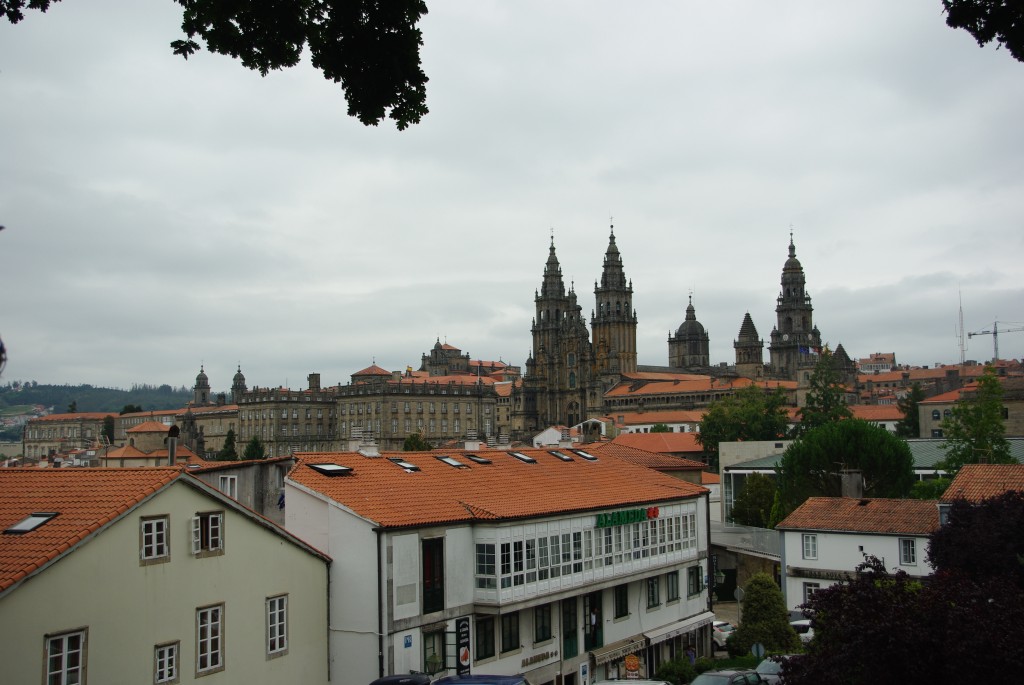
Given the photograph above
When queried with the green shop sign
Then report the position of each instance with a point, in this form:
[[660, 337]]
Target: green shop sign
[[621, 518]]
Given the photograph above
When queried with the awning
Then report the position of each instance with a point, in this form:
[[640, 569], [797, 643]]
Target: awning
[[679, 627], [617, 650]]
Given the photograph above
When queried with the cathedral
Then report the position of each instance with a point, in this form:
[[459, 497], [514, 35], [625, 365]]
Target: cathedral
[[571, 368]]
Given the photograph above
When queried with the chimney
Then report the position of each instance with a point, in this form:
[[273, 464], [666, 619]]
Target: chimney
[[852, 482], [314, 381], [172, 445]]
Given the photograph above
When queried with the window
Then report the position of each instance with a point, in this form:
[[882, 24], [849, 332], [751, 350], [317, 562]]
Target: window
[[277, 626], [510, 632], [484, 637], [208, 533], [209, 645], [653, 592], [621, 600], [935, 415], [433, 575], [229, 486], [908, 552], [542, 623], [810, 589], [154, 547], [65, 658], [672, 580], [485, 576], [165, 663], [694, 581], [810, 546]]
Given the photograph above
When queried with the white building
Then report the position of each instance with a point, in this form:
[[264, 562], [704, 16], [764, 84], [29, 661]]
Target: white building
[[149, 575], [826, 538], [548, 562]]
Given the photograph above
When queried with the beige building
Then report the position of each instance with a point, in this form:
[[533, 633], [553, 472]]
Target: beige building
[[288, 420], [151, 576], [61, 433]]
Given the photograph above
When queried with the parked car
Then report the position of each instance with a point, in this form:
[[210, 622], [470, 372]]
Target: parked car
[[727, 677], [804, 629], [720, 632], [479, 679], [403, 679], [631, 682], [770, 668]]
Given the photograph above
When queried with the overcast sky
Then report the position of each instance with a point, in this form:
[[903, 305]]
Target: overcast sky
[[163, 214]]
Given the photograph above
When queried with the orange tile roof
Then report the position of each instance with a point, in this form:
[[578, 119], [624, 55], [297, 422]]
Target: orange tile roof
[[209, 409], [876, 412], [372, 370], [503, 388], [664, 416], [149, 427], [975, 482], [873, 515], [132, 452], [79, 416], [85, 499], [153, 412], [707, 478], [691, 384], [660, 442], [948, 397], [921, 374], [645, 457], [505, 489]]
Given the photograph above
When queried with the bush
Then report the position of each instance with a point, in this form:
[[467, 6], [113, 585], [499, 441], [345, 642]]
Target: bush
[[677, 672], [704, 664], [765, 619]]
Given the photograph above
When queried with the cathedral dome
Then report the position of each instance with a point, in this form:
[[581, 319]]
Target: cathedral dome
[[202, 378], [239, 379], [690, 326]]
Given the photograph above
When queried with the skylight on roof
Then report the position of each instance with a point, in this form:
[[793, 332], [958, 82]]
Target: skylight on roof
[[588, 457], [404, 464], [331, 469], [523, 458], [452, 461], [561, 455], [478, 459], [30, 522]]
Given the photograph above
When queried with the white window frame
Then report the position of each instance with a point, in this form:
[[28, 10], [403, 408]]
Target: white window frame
[[908, 551], [208, 533], [277, 626], [209, 639], [154, 539], [229, 486], [809, 545], [165, 663], [56, 664], [810, 589]]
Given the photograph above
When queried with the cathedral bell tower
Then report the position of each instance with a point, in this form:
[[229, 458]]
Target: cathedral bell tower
[[795, 341], [201, 391], [614, 321]]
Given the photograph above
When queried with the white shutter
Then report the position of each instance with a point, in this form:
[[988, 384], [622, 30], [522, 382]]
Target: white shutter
[[196, 539]]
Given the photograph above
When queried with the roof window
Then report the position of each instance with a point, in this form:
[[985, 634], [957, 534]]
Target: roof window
[[477, 459], [523, 458], [404, 464], [452, 461], [585, 455], [331, 469], [30, 522], [561, 455]]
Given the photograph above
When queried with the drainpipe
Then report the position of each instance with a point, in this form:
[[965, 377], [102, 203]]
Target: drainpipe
[[380, 610]]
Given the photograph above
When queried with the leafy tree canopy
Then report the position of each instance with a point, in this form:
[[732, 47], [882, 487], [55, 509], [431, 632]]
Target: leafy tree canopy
[[416, 443], [811, 465], [982, 540], [131, 409], [989, 20], [765, 619], [974, 431], [748, 414], [929, 489], [227, 452], [826, 396], [910, 425], [253, 449], [660, 428], [753, 504], [370, 47]]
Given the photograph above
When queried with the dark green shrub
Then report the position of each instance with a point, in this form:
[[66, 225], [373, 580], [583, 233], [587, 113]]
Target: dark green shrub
[[677, 672], [704, 664]]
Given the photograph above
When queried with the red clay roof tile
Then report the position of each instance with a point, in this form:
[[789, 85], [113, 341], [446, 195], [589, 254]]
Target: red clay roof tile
[[873, 515], [976, 482]]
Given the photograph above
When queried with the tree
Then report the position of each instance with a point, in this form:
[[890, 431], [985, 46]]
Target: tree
[[929, 489], [227, 452], [73, 407], [416, 443], [982, 539], [910, 425], [253, 449], [108, 428], [826, 396], [753, 504], [131, 409], [765, 619], [371, 48], [660, 428], [974, 431], [989, 20], [748, 414], [812, 464]]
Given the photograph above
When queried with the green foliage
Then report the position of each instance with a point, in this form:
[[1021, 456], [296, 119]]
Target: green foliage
[[989, 531], [929, 489], [910, 425], [753, 504], [253, 449], [108, 428], [765, 619], [704, 663], [974, 431], [660, 428], [227, 452], [825, 402], [371, 48], [677, 672], [416, 443], [811, 465], [748, 414], [73, 407], [93, 399], [131, 409], [989, 20]]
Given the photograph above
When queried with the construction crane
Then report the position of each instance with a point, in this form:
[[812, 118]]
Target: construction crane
[[994, 332]]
